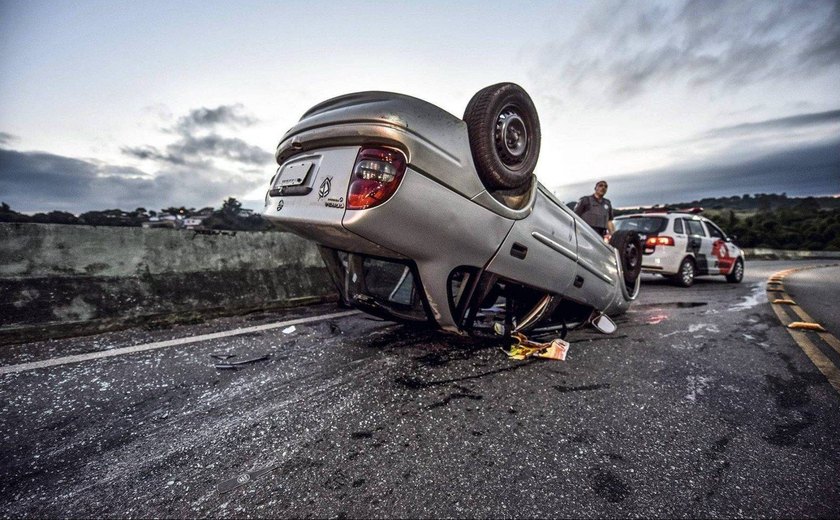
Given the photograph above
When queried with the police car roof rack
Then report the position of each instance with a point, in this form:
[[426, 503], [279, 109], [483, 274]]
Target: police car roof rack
[[672, 209]]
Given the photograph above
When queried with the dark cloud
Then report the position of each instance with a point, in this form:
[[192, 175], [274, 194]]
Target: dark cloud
[[224, 115], [190, 150], [751, 133], [783, 123], [34, 181], [6, 138], [198, 144], [623, 49], [212, 145], [812, 169], [151, 153]]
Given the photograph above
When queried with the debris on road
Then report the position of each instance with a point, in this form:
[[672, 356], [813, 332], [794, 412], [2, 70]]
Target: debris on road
[[289, 330], [233, 365], [657, 319], [244, 478], [806, 325], [523, 348]]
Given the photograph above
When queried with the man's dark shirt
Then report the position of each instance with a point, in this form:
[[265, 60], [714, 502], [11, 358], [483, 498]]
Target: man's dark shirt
[[594, 212]]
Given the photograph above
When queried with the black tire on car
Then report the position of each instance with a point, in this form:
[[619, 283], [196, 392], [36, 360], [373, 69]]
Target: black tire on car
[[629, 247], [504, 133], [737, 273], [686, 273]]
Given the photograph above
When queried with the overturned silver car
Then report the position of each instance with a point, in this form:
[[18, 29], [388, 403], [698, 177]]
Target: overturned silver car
[[424, 217]]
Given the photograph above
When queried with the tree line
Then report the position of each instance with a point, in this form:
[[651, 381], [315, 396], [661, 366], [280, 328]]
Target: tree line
[[229, 217], [761, 220], [772, 221]]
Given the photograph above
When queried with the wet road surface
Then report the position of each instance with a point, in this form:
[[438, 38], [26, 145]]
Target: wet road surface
[[700, 405], [818, 292]]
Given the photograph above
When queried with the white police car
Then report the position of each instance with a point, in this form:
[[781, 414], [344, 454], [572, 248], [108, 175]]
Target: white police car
[[682, 245]]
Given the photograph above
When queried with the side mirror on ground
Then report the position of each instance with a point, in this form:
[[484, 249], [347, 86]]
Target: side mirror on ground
[[603, 323]]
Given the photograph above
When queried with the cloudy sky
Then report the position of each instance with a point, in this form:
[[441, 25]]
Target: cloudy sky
[[109, 103]]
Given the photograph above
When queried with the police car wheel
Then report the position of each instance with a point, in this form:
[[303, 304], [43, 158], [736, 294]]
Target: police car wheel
[[737, 273], [685, 275], [504, 133]]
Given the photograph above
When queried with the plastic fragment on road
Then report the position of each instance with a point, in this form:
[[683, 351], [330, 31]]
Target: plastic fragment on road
[[523, 348], [806, 325], [244, 478], [289, 330], [784, 301], [233, 365]]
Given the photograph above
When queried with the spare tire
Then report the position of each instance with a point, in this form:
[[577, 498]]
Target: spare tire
[[504, 133], [629, 247]]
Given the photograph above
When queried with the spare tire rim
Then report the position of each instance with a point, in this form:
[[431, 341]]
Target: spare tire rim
[[511, 136]]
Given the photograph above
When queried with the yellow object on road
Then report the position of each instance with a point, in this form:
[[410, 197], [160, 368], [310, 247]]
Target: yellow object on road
[[523, 348], [806, 325]]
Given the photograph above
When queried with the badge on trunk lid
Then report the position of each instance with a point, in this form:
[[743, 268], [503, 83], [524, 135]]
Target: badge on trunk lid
[[325, 188]]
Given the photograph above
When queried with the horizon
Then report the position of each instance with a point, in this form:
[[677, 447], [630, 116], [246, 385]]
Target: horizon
[[121, 104], [257, 210]]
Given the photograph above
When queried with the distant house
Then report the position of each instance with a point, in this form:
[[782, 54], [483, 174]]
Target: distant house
[[193, 222], [164, 220]]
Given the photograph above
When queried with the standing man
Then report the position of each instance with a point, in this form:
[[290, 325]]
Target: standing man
[[597, 211]]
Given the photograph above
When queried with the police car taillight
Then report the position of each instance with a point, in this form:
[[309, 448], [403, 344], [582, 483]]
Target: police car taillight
[[659, 241], [376, 176]]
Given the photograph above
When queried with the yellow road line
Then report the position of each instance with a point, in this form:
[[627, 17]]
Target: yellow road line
[[831, 340], [782, 315], [801, 313], [775, 284], [831, 372]]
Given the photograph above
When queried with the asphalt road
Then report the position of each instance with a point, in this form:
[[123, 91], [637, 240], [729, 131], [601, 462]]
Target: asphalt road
[[700, 405], [815, 290]]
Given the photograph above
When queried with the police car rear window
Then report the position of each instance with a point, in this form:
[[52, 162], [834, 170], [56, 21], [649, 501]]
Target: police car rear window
[[645, 225]]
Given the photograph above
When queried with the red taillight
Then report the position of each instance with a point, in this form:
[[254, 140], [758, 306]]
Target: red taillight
[[659, 241], [376, 176]]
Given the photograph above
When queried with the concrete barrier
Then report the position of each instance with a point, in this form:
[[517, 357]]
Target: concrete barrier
[[58, 280]]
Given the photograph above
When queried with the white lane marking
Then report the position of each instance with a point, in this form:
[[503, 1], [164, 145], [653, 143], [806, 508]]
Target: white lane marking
[[23, 367]]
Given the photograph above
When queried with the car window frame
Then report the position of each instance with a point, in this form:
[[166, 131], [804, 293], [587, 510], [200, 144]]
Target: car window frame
[[661, 227], [690, 231], [681, 231], [712, 226]]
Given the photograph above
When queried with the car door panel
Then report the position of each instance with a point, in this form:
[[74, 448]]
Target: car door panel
[[723, 252], [540, 250], [699, 244]]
